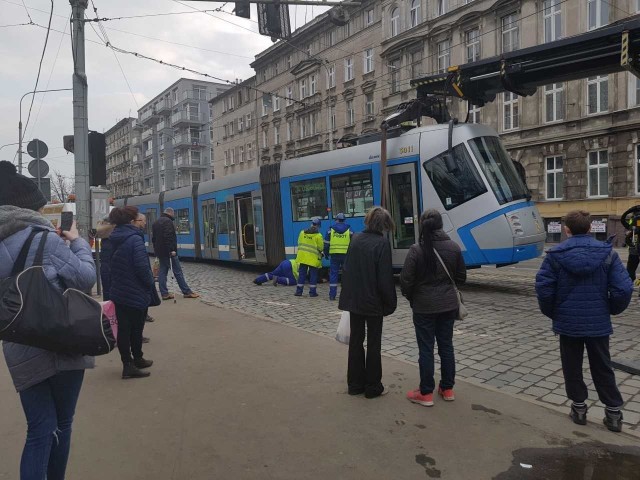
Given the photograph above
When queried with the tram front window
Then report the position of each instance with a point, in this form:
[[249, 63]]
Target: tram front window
[[499, 169], [455, 178]]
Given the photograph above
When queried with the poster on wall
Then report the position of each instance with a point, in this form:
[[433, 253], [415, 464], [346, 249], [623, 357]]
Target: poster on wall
[[554, 227], [599, 226]]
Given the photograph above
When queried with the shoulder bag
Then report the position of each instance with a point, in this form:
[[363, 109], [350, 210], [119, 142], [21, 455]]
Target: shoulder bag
[[33, 312], [462, 310]]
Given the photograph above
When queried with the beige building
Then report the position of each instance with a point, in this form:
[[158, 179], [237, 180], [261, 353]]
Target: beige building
[[120, 159], [577, 140]]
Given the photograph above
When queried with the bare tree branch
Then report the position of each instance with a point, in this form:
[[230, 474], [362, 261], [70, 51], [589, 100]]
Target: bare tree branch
[[61, 186]]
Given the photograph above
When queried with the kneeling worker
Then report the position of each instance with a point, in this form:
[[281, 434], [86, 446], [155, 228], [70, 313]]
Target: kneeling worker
[[336, 244], [310, 246], [285, 274]]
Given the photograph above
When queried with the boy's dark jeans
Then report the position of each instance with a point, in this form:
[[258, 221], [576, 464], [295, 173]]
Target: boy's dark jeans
[[572, 353], [430, 328]]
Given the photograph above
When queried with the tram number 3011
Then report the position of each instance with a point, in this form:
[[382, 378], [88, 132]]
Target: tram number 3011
[[405, 150]]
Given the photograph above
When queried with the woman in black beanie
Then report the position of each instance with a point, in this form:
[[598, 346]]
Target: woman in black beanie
[[48, 383]]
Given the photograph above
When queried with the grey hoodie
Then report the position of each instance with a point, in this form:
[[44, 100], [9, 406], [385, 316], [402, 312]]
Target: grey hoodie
[[71, 266]]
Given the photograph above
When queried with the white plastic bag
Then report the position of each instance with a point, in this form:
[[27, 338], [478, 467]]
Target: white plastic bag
[[344, 328]]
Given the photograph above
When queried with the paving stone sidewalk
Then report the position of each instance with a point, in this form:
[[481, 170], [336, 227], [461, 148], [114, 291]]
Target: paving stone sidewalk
[[505, 342]]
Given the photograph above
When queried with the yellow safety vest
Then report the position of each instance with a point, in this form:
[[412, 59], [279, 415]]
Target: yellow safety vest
[[295, 268], [339, 242], [310, 247]]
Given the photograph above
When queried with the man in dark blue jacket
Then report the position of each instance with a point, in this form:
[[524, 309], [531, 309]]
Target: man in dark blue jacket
[[581, 283], [336, 244]]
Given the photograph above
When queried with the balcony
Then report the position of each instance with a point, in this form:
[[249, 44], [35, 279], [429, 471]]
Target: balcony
[[189, 160], [146, 115], [162, 125], [186, 117], [148, 152], [195, 95], [187, 141], [147, 133], [163, 106]]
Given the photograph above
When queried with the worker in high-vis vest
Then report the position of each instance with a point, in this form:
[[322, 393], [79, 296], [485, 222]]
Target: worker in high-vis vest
[[309, 257], [285, 274], [336, 244]]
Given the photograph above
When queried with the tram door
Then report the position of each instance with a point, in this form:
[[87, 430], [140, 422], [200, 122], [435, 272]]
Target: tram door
[[258, 221], [210, 240], [246, 237], [403, 206], [152, 216]]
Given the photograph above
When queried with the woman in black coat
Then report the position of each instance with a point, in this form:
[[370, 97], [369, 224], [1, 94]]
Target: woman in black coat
[[434, 301], [368, 294]]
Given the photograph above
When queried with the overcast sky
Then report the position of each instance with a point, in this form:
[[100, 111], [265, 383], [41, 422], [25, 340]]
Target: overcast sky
[[215, 47]]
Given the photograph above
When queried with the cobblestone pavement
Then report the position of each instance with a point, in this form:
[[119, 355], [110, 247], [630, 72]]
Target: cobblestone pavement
[[505, 342]]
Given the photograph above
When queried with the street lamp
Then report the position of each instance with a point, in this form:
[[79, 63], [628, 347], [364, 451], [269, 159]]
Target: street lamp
[[20, 123]]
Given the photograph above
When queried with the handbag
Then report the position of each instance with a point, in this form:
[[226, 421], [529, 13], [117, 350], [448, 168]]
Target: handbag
[[155, 297], [33, 312], [344, 328], [462, 310]]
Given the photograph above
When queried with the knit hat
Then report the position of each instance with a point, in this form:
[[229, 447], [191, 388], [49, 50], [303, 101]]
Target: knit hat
[[18, 190]]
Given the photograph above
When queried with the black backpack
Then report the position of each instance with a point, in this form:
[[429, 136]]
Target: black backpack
[[33, 312]]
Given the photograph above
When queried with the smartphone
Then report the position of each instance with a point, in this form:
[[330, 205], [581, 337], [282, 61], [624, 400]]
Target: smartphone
[[66, 221]]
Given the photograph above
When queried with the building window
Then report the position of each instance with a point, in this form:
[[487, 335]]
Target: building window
[[351, 114], [474, 113], [472, 39], [352, 194], [394, 72], [552, 14], [444, 56], [347, 30], [368, 60], [163, 185], [276, 135], [414, 13], [634, 90], [289, 95], [332, 117], [276, 102], [598, 166], [598, 13], [331, 37], [303, 88], [369, 106], [308, 50], [555, 178], [309, 199], [248, 120], [510, 33], [226, 158], [231, 132], [369, 17], [554, 102], [289, 62], [395, 22], [249, 151], [348, 69], [266, 100], [312, 85], [233, 156], [241, 157], [265, 142], [597, 94], [443, 7], [331, 76], [289, 131], [510, 111], [195, 177], [240, 124]]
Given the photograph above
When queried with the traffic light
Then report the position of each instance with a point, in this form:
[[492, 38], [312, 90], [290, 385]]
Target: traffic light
[[97, 156], [243, 8]]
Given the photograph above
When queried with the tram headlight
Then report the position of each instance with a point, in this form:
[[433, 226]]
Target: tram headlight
[[516, 225]]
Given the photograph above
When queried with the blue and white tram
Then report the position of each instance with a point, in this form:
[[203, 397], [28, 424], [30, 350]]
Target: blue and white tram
[[256, 215]]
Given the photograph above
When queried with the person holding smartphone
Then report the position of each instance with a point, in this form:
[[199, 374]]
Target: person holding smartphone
[[48, 383]]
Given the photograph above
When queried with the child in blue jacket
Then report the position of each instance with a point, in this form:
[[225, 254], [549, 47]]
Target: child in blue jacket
[[581, 283]]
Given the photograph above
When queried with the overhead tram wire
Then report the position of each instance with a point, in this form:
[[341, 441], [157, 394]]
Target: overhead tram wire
[[27, 10], [44, 50], [16, 25]]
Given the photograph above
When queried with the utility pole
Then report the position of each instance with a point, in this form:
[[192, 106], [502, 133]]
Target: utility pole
[[80, 118]]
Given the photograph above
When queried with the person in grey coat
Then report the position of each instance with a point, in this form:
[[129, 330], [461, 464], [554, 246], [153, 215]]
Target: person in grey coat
[[48, 383], [433, 299]]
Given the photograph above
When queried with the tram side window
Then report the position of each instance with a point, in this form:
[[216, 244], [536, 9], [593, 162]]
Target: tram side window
[[223, 225], [309, 199], [352, 194], [456, 180], [183, 225]]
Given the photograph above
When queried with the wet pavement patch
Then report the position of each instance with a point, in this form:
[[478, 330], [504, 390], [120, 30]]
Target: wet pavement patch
[[482, 408], [586, 461], [429, 465]]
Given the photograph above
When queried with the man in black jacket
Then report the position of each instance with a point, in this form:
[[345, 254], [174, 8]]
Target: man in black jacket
[[165, 246]]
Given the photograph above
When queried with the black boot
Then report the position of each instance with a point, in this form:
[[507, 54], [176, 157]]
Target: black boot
[[131, 371], [142, 363], [613, 420], [578, 415]]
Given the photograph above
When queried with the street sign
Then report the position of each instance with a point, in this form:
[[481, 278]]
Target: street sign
[[37, 148], [38, 168], [99, 205]]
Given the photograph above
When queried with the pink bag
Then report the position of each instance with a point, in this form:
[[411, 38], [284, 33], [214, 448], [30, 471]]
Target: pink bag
[[109, 311]]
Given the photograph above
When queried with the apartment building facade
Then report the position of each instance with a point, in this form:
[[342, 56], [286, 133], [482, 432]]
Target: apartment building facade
[[121, 158], [235, 128], [578, 140], [175, 142]]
